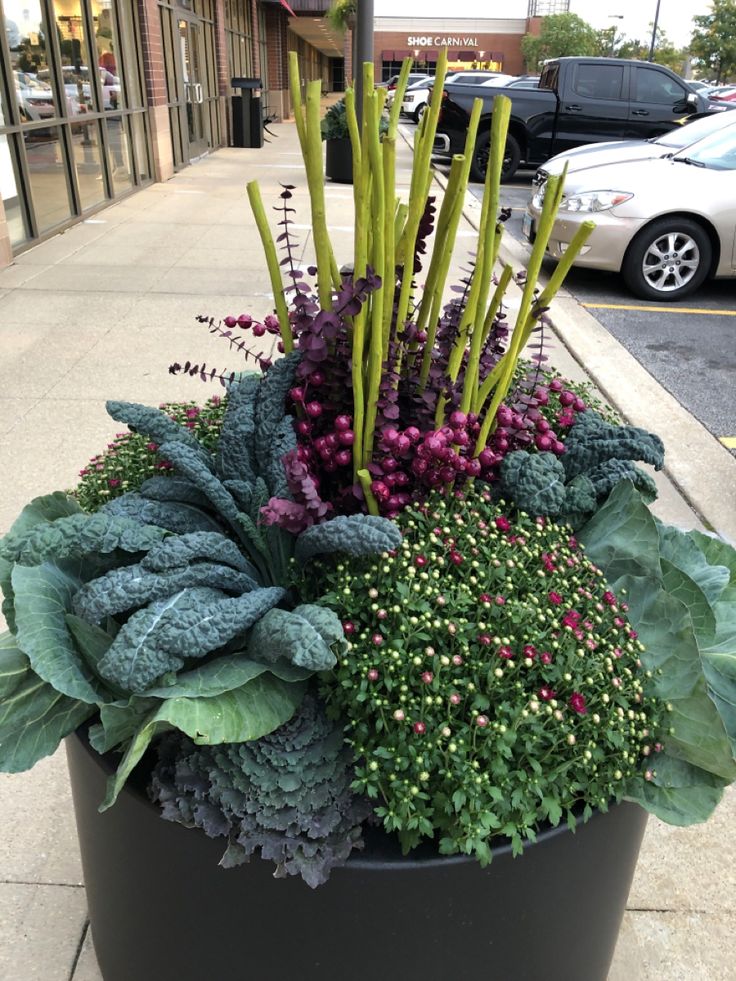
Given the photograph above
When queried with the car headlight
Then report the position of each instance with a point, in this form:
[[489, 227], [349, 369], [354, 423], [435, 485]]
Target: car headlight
[[408, 97], [594, 200]]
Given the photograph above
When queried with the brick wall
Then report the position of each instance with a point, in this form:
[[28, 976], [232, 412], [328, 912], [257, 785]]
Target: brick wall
[[153, 52], [276, 19]]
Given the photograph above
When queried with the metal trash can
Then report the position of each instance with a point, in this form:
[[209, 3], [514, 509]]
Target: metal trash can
[[247, 112]]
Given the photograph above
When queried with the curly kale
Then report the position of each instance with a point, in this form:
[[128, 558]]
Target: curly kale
[[287, 794], [598, 456]]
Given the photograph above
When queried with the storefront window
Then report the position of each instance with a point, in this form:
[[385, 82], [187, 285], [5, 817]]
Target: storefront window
[[76, 67], [26, 33], [47, 175], [9, 193], [88, 163], [117, 139]]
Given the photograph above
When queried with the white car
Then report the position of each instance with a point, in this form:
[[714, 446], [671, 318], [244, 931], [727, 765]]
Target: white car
[[416, 99], [665, 223], [35, 99], [617, 151]]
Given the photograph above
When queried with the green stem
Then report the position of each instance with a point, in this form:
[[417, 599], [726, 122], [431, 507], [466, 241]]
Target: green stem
[[316, 182], [519, 337], [365, 482], [295, 89], [272, 261], [375, 354]]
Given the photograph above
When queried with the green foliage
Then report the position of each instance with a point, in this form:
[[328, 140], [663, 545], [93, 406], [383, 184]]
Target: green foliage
[[665, 52], [713, 42], [131, 458], [341, 14], [308, 636], [597, 458], [355, 535], [286, 795], [560, 35], [681, 602], [144, 611], [334, 123], [489, 678]]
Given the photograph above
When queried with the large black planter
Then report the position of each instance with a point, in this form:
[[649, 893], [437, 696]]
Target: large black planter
[[162, 910], [339, 161]]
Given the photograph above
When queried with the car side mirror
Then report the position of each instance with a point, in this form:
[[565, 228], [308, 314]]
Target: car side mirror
[[692, 99]]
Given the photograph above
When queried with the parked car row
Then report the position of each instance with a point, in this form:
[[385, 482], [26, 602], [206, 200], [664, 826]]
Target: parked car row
[[664, 210], [35, 96]]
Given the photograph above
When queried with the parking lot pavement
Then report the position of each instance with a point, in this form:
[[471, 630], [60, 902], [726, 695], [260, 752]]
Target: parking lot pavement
[[689, 347]]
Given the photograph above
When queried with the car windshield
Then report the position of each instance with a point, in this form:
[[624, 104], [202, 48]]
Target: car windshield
[[682, 136], [717, 152]]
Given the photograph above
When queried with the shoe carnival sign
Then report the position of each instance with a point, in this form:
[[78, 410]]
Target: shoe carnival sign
[[442, 42]]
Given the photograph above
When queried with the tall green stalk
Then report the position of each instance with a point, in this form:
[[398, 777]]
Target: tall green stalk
[[316, 182], [272, 261], [500, 379], [375, 352]]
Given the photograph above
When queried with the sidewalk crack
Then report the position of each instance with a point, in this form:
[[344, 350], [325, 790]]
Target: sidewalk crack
[[78, 952]]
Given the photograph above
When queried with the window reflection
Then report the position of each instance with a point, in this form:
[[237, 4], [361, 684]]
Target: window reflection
[[117, 139], [107, 45], [9, 194], [88, 163], [78, 86], [141, 147], [47, 175], [26, 34]]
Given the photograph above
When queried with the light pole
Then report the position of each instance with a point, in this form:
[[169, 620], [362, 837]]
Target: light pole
[[363, 47], [654, 33]]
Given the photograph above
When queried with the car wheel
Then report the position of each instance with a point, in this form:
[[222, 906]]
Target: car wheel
[[668, 259], [511, 158], [419, 112]]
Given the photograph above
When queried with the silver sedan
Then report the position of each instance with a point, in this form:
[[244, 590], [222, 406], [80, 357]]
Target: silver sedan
[[666, 224]]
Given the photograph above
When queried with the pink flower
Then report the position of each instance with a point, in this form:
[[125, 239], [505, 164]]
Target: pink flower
[[454, 698], [609, 598], [530, 651], [545, 657], [419, 728], [482, 721], [372, 675], [555, 598], [546, 693], [502, 523], [505, 652], [484, 639], [577, 703], [427, 677], [113, 482]]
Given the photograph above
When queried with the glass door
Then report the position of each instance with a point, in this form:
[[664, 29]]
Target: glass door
[[194, 78]]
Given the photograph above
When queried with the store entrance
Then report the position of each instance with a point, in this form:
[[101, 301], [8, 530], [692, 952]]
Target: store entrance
[[189, 61], [194, 81]]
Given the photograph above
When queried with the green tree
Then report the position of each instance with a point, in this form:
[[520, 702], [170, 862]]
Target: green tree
[[560, 35], [713, 42], [665, 52]]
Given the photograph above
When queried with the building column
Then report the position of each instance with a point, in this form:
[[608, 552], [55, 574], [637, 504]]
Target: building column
[[223, 73], [277, 95], [155, 80]]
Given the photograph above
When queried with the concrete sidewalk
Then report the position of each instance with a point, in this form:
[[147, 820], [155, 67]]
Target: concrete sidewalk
[[100, 312]]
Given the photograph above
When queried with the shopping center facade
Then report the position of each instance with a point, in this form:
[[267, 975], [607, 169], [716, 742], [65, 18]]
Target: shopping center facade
[[100, 97]]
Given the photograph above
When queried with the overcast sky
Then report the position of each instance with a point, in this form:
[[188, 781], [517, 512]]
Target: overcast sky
[[638, 15]]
